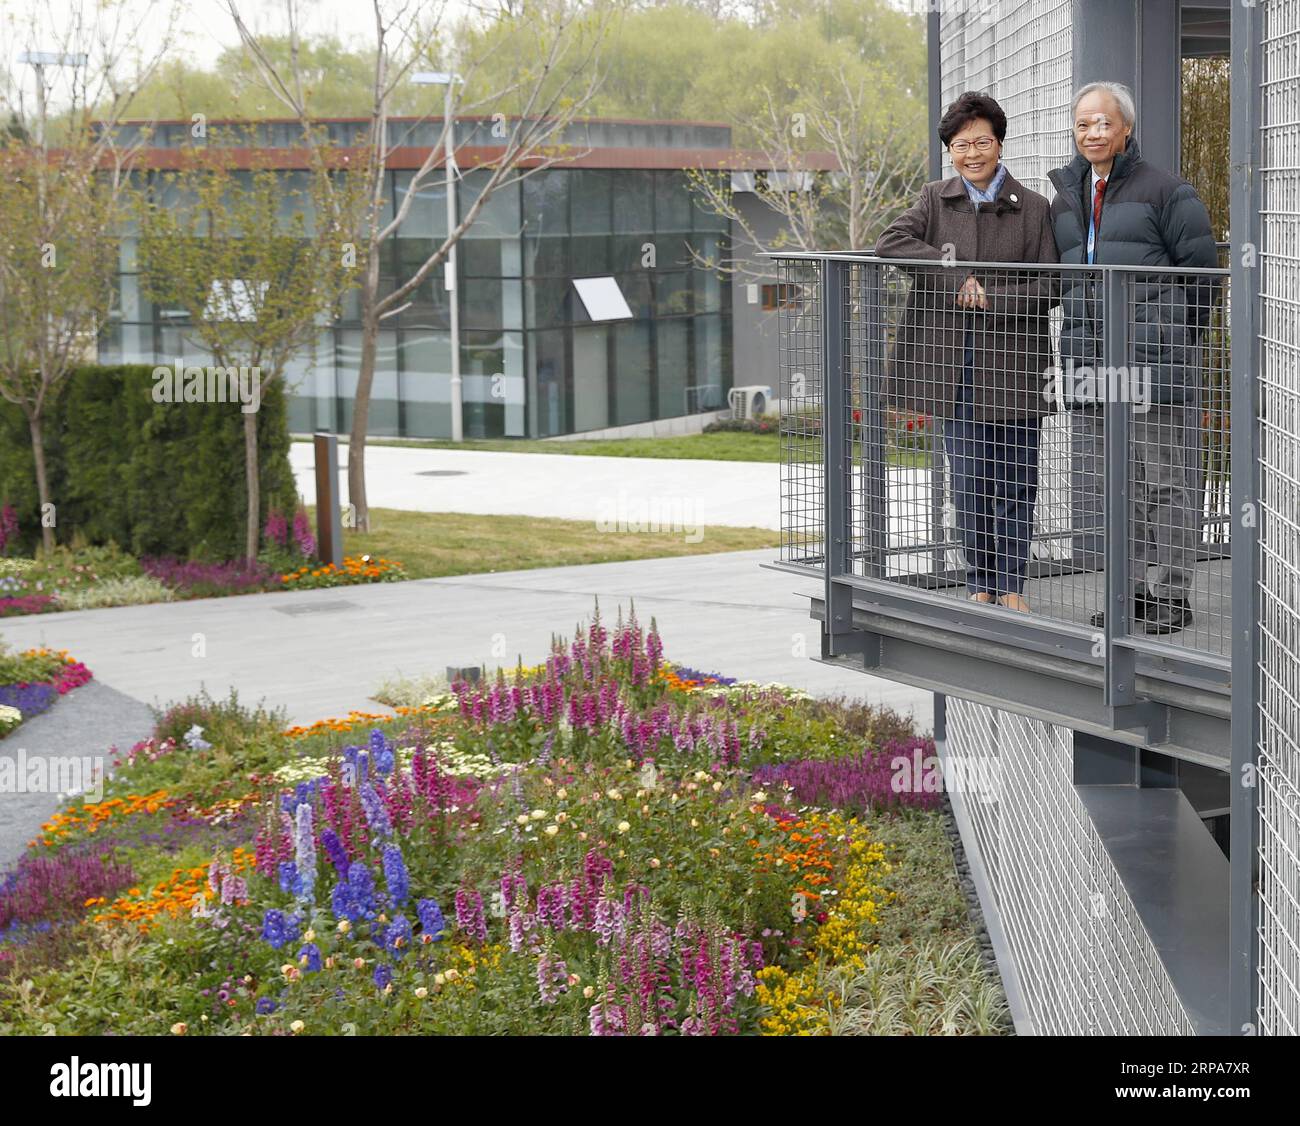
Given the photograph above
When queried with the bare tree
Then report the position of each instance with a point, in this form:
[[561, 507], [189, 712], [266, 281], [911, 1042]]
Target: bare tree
[[531, 114], [64, 179], [836, 164]]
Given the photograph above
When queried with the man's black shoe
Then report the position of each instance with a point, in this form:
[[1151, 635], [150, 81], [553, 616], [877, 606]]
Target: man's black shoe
[[1140, 602], [1168, 616], [1160, 615]]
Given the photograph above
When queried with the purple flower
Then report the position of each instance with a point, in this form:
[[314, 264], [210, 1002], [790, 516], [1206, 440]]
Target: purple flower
[[334, 850], [278, 929], [469, 914], [431, 919], [311, 952], [376, 814], [397, 936], [399, 884], [265, 1006], [383, 976]]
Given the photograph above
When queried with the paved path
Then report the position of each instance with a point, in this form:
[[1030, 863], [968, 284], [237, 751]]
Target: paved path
[[742, 494], [320, 653], [87, 721]]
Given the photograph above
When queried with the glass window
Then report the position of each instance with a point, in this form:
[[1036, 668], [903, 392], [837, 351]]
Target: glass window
[[636, 291], [592, 204], [630, 252], [590, 255], [633, 373], [481, 303], [634, 192], [499, 217], [708, 283], [672, 202], [548, 302], [382, 419], [427, 218], [426, 384], [672, 293], [546, 204], [705, 219], [674, 363], [547, 257], [712, 367], [590, 377], [547, 362]]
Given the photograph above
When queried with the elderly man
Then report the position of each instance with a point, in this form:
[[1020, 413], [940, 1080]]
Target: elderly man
[[1113, 207]]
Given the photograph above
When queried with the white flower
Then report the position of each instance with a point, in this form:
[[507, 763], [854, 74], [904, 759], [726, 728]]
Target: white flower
[[539, 814], [551, 830]]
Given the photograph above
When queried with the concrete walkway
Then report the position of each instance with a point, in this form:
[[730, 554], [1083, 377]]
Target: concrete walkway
[[742, 494], [321, 653], [87, 721]]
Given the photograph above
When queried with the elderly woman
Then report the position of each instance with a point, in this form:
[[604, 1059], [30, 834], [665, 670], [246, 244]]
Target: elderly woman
[[972, 347]]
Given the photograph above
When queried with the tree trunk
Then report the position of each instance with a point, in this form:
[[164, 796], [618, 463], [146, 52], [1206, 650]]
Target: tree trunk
[[360, 424], [252, 482], [42, 481]]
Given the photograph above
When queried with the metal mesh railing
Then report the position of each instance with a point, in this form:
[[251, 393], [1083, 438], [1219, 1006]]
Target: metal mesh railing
[[1085, 962], [948, 378], [1279, 523]]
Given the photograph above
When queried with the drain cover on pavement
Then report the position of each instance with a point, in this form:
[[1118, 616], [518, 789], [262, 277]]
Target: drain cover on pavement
[[316, 608], [441, 473]]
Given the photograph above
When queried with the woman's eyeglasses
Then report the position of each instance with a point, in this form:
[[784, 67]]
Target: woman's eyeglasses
[[981, 145]]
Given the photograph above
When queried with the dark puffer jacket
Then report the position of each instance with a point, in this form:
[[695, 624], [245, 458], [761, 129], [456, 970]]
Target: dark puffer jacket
[[1149, 217]]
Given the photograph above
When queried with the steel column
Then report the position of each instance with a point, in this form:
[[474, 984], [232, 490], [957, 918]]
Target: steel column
[[1244, 155]]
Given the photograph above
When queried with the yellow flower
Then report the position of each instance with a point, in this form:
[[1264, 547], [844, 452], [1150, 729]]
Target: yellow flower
[[297, 1027], [422, 993], [623, 826], [551, 830], [178, 1029]]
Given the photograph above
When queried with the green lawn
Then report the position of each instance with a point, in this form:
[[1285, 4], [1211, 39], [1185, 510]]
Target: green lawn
[[436, 544], [720, 446]]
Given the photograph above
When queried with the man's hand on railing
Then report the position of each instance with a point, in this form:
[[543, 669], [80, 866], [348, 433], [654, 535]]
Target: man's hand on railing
[[971, 294]]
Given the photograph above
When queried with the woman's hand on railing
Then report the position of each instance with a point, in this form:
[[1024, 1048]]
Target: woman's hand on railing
[[971, 295]]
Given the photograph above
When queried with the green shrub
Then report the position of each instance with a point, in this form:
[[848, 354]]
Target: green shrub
[[157, 478]]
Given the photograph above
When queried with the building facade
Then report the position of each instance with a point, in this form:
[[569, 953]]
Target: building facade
[[534, 363]]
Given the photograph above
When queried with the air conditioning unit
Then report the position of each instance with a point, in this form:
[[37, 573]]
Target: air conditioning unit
[[749, 402]]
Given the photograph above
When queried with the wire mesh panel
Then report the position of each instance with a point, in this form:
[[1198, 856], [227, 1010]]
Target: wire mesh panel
[[803, 494], [1279, 524], [1084, 960]]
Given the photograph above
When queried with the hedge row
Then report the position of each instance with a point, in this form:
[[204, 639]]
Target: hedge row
[[155, 478]]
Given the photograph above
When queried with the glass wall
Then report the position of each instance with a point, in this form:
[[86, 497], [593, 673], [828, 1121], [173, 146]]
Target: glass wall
[[533, 363]]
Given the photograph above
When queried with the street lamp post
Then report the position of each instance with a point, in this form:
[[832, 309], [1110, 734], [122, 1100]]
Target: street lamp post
[[444, 78]]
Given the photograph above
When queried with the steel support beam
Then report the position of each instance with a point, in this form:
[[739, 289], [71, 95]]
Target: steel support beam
[[1244, 157]]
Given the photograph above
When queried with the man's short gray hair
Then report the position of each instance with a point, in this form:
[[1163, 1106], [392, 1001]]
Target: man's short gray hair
[[1122, 94]]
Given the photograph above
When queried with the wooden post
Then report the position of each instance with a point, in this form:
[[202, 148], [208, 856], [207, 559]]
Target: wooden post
[[329, 523]]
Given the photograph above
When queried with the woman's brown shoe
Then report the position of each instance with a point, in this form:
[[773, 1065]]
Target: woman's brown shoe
[[1015, 602], [982, 596]]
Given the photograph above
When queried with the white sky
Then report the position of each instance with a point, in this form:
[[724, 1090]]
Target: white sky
[[203, 26]]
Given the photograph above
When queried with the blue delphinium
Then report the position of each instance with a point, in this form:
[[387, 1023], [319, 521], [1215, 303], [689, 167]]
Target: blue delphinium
[[383, 976], [381, 750], [399, 884], [305, 853], [376, 813], [397, 936], [354, 897], [311, 952], [338, 855], [432, 922], [290, 881], [265, 1006], [279, 929]]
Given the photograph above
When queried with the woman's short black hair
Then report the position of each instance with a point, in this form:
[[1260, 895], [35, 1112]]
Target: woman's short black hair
[[971, 106]]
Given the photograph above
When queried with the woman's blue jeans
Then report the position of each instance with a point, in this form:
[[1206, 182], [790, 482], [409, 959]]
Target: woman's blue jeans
[[995, 486]]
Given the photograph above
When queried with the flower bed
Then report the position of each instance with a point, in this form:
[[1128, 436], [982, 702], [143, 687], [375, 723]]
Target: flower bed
[[31, 682], [606, 844]]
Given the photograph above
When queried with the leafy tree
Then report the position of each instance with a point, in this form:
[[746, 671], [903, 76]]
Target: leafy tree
[[63, 179], [256, 259], [549, 50]]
